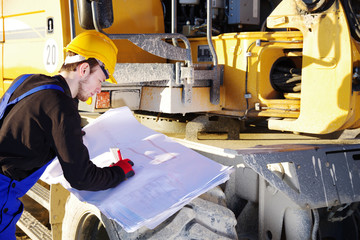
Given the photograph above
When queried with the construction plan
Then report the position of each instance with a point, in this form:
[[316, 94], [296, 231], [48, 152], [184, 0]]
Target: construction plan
[[168, 175]]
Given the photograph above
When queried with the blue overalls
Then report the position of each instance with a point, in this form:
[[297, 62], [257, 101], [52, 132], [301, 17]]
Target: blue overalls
[[11, 190]]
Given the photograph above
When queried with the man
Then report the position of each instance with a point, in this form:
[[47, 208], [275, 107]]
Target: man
[[39, 120]]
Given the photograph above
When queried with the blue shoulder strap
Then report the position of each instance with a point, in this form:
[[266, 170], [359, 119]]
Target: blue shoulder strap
[[5, 100]]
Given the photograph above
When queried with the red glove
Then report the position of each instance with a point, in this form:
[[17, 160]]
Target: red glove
[[126, 166]]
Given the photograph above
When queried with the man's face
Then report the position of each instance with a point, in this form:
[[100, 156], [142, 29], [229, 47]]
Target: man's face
[[91, 85]]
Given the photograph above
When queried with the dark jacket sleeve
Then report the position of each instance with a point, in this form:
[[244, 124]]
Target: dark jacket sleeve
[[73, 155]]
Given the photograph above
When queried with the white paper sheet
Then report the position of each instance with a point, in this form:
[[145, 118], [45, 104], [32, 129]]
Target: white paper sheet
[[167, 174]]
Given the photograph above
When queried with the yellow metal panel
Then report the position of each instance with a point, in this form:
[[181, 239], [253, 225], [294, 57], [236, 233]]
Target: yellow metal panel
[[29, 47], [231, 51], [326, 72], [140, 16]]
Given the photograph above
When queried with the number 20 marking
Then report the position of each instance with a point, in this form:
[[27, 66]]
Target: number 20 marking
[[51, 55]]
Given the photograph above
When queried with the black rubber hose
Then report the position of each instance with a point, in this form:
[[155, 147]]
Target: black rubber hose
[[352, 19]]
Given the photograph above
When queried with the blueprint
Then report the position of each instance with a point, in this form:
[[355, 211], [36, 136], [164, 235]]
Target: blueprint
[[167, 174]]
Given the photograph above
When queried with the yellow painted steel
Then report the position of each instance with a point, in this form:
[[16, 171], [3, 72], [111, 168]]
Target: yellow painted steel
[[28, 46], [326, 94], [319, 43], [231, 51], [26, 36], [140, 16]]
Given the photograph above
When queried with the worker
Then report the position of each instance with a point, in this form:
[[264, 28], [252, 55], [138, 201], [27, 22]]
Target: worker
[[39, 120]]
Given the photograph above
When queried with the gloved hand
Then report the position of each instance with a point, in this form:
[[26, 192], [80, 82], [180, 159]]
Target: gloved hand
[[126, 166]]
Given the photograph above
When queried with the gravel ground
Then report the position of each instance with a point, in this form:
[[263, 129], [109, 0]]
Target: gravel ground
[[20, 235]]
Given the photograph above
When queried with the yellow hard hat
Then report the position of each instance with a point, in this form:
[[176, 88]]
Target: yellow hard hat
[[93, 44]]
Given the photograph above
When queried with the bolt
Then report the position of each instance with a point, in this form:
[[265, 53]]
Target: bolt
[[298, 166], [327, 164]]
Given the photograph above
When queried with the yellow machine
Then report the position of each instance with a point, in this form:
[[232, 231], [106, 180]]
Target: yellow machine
[[215, 66], [251, 81]]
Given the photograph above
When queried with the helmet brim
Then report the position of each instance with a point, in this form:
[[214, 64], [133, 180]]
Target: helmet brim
[[111, 79]]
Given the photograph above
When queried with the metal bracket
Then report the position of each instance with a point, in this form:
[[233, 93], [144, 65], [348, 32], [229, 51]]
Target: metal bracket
[[215, 75], [152, 43], [326, 175], [155, 44], [172, 75], [215, 85], [276, 211]]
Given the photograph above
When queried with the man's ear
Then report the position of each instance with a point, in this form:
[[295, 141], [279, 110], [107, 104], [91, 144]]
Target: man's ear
[[83, 69]]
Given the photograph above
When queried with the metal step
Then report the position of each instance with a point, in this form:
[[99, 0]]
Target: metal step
[[28, 223], [40, 195], [33, 228]]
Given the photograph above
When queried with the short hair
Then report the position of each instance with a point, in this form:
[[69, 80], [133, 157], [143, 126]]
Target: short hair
[[72, 66]]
